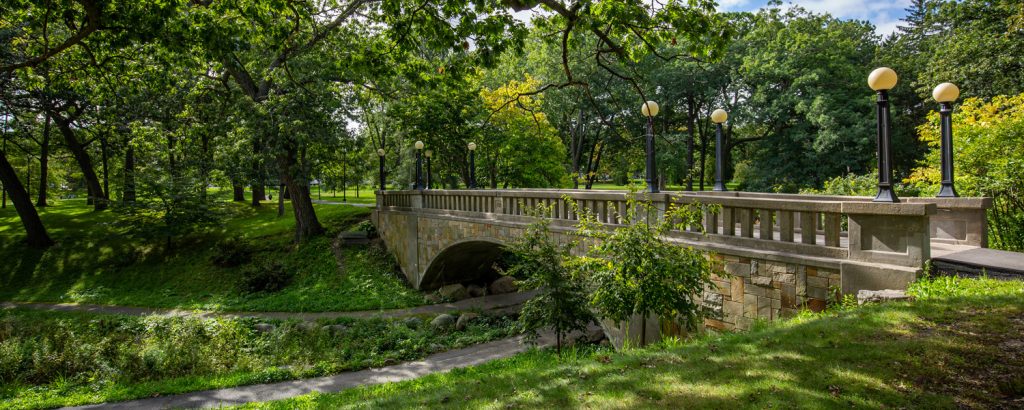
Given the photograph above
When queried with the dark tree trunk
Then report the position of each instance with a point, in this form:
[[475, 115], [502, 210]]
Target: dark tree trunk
[[128, 190], [306, 223], [258, 191], [284, 193], [691, 130], [106, 168], [280, 199], [35, 232], [239, 191], [77, 149], [44, 163]]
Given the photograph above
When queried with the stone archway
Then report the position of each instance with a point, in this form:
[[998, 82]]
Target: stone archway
[[468, 260]]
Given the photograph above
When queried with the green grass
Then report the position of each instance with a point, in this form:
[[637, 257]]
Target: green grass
[[959, 345], [103, 258], [51, 359]]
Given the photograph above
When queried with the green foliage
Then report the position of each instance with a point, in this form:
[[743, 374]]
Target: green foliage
[[104, 259], [913, 355], [544, 265], [231, 252], [265, 275], [988, 144], [636, 271], [50, 359], [943, 287]]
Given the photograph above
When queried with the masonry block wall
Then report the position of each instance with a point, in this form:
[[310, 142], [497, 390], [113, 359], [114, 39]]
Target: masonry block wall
[[747, 289]]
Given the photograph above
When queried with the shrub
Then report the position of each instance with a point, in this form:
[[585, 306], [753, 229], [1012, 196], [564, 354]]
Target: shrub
[[561, 300], [368, 227], [231, 252], [265, 275], [636, 272]]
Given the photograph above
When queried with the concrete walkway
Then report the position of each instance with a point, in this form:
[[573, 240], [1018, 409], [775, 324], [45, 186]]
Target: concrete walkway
[[438, 363], [506, 302]]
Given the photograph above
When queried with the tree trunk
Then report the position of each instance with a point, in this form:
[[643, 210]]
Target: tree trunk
[[106, 169], [689, 148], [44, 163], [84, 162], [258, 191], [280, 199], [306, 223], [239, 191], [35, 232], [128, 190]]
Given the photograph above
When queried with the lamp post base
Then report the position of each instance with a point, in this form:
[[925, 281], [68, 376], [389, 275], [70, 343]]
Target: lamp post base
[[719, 187], [947, 191], [886, 194]]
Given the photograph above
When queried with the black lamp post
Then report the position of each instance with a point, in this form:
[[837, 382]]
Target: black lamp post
[[419, 165], [649, 110], [429, 154], [472, 165], [380, 155], [945, 94], [882, 80], [718, 117]]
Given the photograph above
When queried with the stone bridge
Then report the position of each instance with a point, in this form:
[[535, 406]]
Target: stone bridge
[[774, 253]]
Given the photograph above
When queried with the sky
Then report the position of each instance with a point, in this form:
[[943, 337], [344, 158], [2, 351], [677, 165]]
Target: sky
[[884, 14]]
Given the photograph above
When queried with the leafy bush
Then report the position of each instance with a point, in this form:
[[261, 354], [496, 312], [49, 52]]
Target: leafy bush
[[265, 275], [561, 299], [368, 227], [635, 271], [231, 252], [988, 147]]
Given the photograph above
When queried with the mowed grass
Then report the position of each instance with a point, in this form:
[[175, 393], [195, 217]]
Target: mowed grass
[[102, 258], [959, 345]]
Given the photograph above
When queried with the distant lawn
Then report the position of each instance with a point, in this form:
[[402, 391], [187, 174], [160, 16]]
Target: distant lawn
[[960, 345], [103, 258]]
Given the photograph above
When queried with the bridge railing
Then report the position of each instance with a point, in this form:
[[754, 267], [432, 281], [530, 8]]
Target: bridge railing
[[833, 227]]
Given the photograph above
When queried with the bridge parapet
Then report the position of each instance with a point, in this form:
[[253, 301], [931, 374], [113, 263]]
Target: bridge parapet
[[774, 250]]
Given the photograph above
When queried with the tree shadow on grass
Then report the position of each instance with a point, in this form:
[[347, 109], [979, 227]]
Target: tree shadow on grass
[[928, 354]]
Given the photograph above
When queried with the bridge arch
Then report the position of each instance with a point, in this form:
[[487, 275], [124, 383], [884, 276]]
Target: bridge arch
[[466, 260]]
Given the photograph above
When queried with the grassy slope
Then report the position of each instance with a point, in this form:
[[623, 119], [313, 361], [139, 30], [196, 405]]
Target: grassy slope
[[101, 259], [950, 348]]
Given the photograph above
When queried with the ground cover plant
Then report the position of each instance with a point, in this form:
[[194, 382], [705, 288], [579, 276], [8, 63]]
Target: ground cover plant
[[959, 345], [50, 359], [248, 262]]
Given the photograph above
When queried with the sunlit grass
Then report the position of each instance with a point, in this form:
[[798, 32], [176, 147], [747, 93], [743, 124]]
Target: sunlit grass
[[941, 351], [102, 259]]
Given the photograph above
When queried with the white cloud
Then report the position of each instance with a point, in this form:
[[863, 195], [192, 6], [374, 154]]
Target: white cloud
[[885, 15]]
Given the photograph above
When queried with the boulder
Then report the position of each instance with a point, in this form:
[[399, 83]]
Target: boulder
[[595, 334], [413, 322], [307, 326], [504, 284], [433, 298], [453, 292], [476, 291], [885, 295], [443, 321], [464, 320], [264, 327]]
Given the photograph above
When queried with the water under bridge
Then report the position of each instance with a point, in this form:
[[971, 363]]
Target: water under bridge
[[775, 253]]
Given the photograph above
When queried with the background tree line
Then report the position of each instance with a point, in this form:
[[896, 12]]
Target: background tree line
[[147, 106]]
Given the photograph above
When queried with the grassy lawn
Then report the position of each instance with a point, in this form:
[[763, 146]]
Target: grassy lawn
[[52, 359], [104, 258], [961, 344]]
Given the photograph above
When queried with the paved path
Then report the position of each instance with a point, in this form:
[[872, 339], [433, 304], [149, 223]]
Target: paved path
[[438, 363], [506, 302], [993, 262]]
